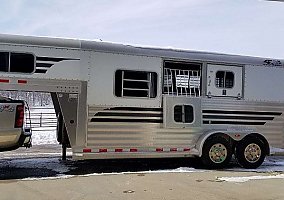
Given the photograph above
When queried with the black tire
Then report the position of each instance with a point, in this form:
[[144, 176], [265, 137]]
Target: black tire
[[216, 152], [250, 152]]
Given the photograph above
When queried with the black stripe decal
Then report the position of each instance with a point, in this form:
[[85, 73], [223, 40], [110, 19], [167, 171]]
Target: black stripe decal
[[241, 112], [234, 123], [236, 117], [41, 71], [135, 109], [129, 114], [47, 65], [127, 120], [53, 59]]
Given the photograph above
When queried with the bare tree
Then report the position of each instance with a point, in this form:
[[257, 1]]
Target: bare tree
[[34, 99]]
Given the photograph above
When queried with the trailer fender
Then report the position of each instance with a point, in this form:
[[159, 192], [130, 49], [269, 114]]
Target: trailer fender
[[234, 135], [201, 140]]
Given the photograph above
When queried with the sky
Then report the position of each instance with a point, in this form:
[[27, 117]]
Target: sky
[[244, 27]]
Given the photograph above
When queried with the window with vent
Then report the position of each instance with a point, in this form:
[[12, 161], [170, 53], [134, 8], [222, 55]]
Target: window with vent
[[183, 113], [135, 84], [225, 79], [17, 62]]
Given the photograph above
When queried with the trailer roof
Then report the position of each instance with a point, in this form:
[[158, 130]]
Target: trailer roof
[[167, 53]]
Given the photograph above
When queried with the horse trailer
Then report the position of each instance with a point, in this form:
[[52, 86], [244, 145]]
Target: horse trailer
[[122, 101]]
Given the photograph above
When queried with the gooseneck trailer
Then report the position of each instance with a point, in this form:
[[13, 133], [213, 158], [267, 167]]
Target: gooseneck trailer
[[123, 101]]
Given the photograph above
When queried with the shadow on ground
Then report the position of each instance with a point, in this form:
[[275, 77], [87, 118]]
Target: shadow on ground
[[20, 168], [130, 165]]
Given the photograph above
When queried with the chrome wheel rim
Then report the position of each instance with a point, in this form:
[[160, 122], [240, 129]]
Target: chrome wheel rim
[[218, 153], [252, 153]]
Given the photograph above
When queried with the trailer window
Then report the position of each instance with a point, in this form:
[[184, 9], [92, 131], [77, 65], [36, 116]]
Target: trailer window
[[182, 79], [22, 62], [4, 61], [135, 84], [224, 79], [183, 113], [17, 62]]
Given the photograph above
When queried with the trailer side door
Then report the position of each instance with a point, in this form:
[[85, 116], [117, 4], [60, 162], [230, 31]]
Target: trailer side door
[[224, 81]]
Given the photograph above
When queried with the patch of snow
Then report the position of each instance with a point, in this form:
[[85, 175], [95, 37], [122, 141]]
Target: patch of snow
[[274, 150], [62, 176], [28, 155], [248, 178], [46, 163], [271, 164], [178, 170], [46, 134], [49, 178]]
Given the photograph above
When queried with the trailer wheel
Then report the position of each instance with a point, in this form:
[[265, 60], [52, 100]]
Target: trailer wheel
[[250, 152], [216, 153]]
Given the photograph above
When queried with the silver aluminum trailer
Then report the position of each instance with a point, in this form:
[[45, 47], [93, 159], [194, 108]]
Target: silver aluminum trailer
[[123, 101]]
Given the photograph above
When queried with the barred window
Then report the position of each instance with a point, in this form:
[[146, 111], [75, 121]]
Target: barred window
[[182, 79], [135, 84]]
